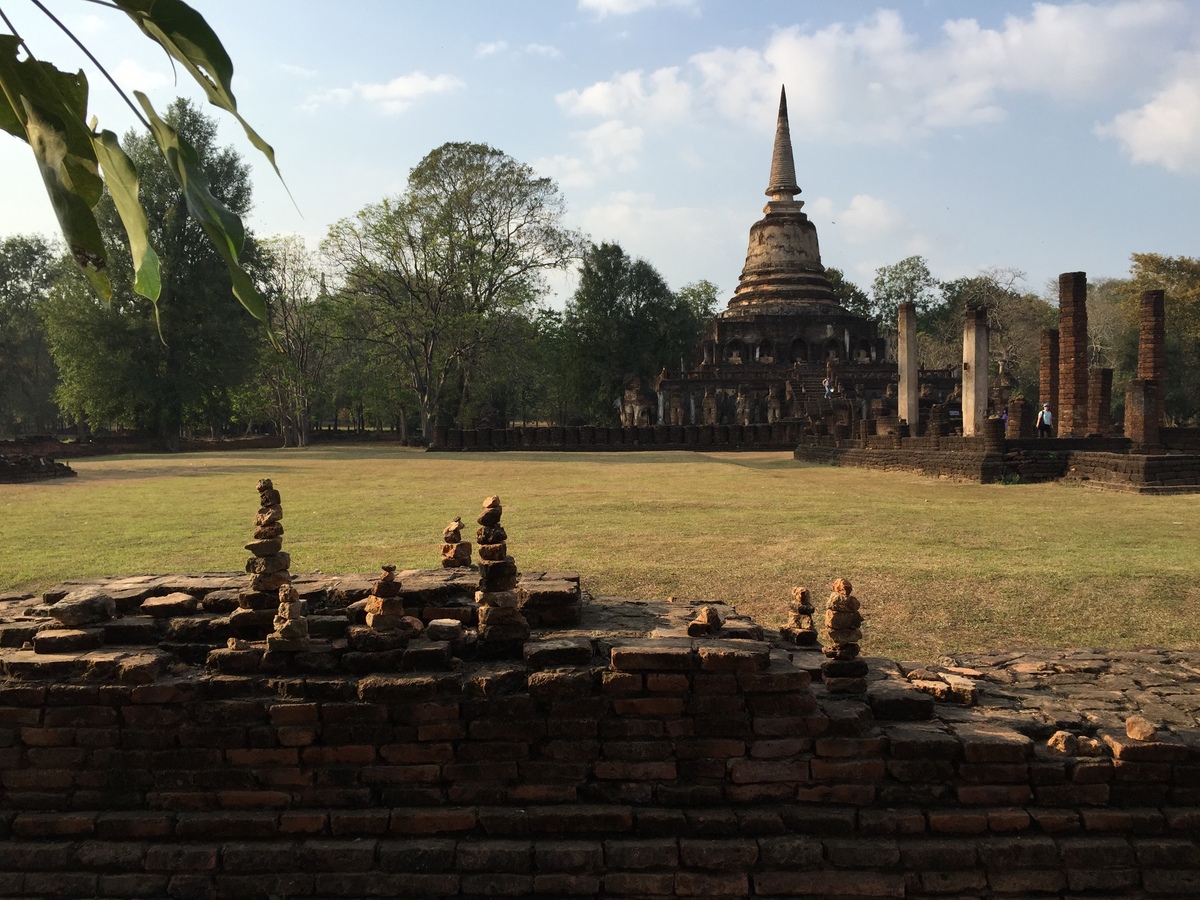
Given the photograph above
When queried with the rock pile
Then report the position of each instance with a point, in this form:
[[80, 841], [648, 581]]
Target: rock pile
[[269, 565], [385, 607], [456, 553], [268, 568], [800, 629], [502, 628], [844, 672], [291, 623]]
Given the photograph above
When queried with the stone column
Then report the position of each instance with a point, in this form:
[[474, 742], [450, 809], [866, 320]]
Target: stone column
[[1100, 402], [1072, 412], [1152, 346], [1140, 408], [1048, 374], [975, 372], [906, 333]]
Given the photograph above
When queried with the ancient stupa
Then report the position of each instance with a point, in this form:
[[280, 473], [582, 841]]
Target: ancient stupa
[[784, 331]]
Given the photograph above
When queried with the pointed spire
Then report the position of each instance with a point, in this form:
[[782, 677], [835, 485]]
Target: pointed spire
[[783, 167]]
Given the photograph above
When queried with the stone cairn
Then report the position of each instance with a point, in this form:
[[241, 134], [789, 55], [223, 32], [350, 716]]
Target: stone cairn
[[843, 672], [291, 623], [800, 629], [385, 607], [456, 553], [502, 628], [267, 567]]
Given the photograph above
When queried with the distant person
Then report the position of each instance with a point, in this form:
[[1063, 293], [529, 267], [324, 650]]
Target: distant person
[[828, 385], [1045, 421]]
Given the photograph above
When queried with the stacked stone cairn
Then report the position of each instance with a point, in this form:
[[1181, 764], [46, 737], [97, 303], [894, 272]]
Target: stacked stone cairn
[[291, 624], [456, 553], [800, 629], [843, 672], [267, 567], [502, 628], [385, 607]]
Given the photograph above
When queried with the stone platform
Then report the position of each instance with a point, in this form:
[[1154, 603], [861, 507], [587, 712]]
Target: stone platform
[[619, 757]]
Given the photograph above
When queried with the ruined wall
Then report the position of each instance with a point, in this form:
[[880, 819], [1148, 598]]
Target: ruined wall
[[669, 767], [780, 436]]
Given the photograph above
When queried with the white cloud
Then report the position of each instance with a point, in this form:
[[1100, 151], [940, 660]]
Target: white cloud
[[632, 219], [490, 48], [297, 71], [545, 50], [874, 80], [661, 96], [392, 97], [131, 75], [604, 8], [867, 218], [611, 146], [1166, 130]]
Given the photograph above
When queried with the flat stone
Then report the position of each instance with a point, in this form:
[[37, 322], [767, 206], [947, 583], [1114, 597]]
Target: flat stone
[[444, 629], [138, 630], [220, 602], [171, 605], [84, 607], [1139, 728], [142, 668], [426, 655], [556, 652], [67, 640]]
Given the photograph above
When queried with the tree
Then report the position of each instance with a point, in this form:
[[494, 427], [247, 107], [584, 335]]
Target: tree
[[47, 108], [624, 320], [115, 365], [301, 318], [849, 294], [28, 267], [445, 266], [908, 281]]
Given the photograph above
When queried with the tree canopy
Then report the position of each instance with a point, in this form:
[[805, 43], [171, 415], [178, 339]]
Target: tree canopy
[[442, 266]]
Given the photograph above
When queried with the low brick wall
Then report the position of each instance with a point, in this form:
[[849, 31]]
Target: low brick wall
[[780, 436], [25, 468], [1147, 474], [602, 763], [964, 459]]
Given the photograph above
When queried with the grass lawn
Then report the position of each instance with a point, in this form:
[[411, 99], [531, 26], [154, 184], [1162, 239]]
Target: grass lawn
[[939, 566]]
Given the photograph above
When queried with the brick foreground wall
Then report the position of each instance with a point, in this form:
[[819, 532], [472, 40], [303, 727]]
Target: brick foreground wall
[[779, 436], [654, 768]]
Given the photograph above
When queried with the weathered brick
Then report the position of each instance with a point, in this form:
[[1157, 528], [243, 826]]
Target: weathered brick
[[226, 825], [983, 744], [562, 885], [749, 771], [830, 884], [1020, 881], [619, 770], [182, 857], [493, 885], [652, 656], [696, 884], [128, 885], [731, 854], [639, 884], [993, 794], [1025, 852], [568, 856], [958, 822], [658, 707], [432, 821]]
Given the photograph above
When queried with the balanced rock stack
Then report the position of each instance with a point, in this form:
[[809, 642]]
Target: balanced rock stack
[[456, 553], [291, 623], [385, 606], [843, 672], [800, 629], [269, 565], [502, 627]]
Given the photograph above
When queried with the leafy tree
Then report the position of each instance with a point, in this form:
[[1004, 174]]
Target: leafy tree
[[624, 320], [47, 108], [908, 281], [849, 294], [115, 365], [445, 267], [28, 266], [301, 318]]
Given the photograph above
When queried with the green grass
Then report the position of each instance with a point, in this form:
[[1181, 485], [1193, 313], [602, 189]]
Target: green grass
[[939, 566]]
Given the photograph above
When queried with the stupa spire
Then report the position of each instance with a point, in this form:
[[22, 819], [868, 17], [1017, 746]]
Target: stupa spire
[[783, 166]]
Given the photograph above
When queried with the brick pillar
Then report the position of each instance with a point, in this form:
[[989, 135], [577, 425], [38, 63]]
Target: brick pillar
[[909, 394], [1072, 355], [1140, 408], [1152, 346], [1018, 417], [1100, 402], [1048, 376], [975, 372]]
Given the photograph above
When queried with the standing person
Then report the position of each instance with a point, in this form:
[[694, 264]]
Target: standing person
[[1045, 421], [828, 385]]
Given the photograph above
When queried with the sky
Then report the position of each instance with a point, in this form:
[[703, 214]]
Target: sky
[[1042, 137]]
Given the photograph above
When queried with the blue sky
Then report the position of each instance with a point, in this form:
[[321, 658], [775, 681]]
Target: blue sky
[[1046, 137]]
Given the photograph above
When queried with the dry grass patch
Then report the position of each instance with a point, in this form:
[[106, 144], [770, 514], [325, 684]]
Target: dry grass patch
[[939, 566]]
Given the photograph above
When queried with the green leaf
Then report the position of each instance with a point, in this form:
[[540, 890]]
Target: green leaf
[[46, 108], [223, 227], [122, 179], [184, 34]]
